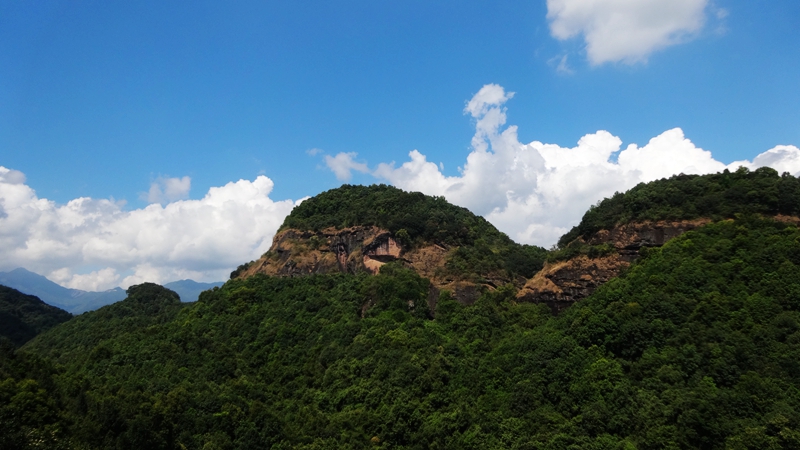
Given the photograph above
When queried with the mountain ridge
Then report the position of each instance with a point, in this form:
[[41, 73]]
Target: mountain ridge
[[693, 344], [77, 301]]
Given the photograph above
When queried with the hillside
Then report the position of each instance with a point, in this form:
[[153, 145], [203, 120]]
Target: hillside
[[695, 344], [612, 233], [694, 347], [22, 316], [145, 306], [686, 197], [356, 229]]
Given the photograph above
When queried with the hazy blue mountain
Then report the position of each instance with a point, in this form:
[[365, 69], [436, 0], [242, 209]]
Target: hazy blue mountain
[[77, 301], [74, 301], [189, 290]]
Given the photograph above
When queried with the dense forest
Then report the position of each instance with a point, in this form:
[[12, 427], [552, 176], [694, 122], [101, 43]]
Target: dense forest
[[696, 345], [24, 316]]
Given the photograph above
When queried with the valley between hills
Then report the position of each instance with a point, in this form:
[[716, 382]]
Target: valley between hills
[[669, 317]]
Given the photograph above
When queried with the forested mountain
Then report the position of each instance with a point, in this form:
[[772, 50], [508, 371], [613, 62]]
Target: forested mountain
[[696, 344], [682, 197], [24, 316], [356, 229]]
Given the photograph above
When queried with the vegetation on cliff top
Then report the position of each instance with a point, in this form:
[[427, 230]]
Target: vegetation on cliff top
[[414, 219], [683, 197]]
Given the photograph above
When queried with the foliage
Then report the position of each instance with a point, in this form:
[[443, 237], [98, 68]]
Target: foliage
[[146, 306], [24, 316], [31, 415], [707, 332], [717, 196], [696, 346], [239, 270]]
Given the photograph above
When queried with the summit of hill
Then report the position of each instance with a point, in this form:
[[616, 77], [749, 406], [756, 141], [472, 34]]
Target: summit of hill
[[355, 229]]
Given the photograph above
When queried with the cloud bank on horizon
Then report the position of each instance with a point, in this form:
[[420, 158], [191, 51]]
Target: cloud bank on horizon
[[535, 192], [95, 244]]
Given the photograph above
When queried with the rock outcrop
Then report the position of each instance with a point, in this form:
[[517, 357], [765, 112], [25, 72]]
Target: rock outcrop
[[352, 250], [358, 249], [562, 283]]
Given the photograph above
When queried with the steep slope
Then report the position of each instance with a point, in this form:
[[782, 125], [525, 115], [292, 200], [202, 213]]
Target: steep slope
[[611, 234], [23, 316], [356, 229]]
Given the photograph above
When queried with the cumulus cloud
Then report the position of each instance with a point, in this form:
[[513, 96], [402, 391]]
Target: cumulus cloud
[[343, 164], [11, 176], [626, 30], [165, 190], [536, 192], [95, 244]]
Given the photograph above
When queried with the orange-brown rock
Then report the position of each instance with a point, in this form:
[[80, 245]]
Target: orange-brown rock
[[563, 283], [358, 249], [560, 284], [352, 250], [627, 239]]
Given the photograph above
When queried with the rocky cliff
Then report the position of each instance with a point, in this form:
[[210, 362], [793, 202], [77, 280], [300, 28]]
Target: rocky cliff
[[360, 249], [562, 283]]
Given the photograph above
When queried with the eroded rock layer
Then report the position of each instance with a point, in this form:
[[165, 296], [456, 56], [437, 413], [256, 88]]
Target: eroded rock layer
[[358, 249], [560, 284], [354, 249]]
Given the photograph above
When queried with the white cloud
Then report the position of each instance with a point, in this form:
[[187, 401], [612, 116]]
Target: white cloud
[[11, 176], [165, 190], [562, 66], [536, 192], [783, 158], [626, 30], [95, 244], [98, 280], [343, 164]]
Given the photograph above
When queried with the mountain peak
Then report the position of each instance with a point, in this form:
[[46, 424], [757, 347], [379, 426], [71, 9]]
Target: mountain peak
[[356, 229]]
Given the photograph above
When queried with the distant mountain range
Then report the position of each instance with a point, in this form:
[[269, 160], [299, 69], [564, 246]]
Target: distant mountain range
[[77, 301]]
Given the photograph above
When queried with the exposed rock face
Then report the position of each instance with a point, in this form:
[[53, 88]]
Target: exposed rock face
[[629, 238], [358, 249], [560, 284], [354, 249], [563, 283]]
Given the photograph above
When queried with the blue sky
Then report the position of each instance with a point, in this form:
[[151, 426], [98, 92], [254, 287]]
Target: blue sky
[[114, 99]]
